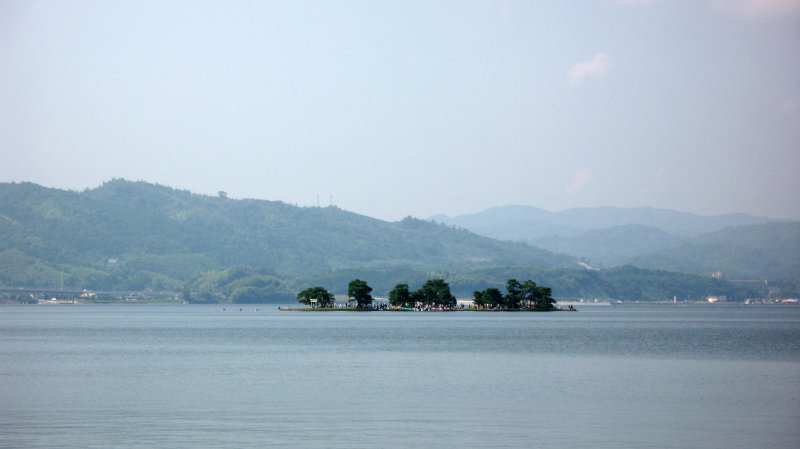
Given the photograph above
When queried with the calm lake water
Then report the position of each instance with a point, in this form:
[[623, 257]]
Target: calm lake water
[[168, 376]]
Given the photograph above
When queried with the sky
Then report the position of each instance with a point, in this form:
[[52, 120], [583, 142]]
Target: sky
[[394, 109]]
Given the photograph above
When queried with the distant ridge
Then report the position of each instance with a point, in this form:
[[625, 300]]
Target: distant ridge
[[527, 222], [159, 237], [739, 245], [767, 251], [137, 236]]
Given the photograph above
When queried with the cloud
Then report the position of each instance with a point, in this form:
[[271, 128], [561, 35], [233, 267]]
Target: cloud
[[583, 177], [757, 9], [596, 67]]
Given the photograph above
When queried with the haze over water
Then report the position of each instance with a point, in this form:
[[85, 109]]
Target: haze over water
[[194, 376]]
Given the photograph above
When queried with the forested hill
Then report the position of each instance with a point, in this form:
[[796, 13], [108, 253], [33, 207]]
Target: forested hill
[[768, 251], [764, 251], [527, 223], [133, 235], [740, 246]]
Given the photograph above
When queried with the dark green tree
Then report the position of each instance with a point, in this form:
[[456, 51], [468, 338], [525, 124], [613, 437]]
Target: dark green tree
[[477, 299], [359, 291], [537, 297], [416, 297], [316, 295], [528, 293], [544, 299], [399, 296], [490, 297], [513, 297], [436, 292]]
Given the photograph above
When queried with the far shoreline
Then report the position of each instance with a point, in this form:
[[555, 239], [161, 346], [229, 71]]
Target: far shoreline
[[310, 309]]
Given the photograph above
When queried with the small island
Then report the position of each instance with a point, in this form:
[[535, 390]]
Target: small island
[[434, 295]]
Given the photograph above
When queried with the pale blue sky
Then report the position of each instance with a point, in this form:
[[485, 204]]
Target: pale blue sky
[[411, 108]]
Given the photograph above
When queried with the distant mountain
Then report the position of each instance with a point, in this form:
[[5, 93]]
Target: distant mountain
[[767, 251], [740, 245], [530, 223], [135, 235], [612, 246]]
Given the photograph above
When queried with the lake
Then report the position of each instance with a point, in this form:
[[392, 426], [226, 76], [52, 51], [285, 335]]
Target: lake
[[174, 376]]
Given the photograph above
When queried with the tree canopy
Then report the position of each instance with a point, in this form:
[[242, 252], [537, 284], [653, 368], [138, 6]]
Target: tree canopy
[[316, 295], [489, 298], [436, 292], [360, 292], [400, 296], [526, 295], [513, 296]]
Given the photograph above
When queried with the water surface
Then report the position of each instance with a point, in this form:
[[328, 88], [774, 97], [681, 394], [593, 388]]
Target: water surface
[[98, 376]]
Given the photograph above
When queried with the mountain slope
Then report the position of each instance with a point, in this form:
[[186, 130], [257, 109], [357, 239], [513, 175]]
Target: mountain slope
[[740, 245], [768, 251], [611, 246], [527, 223], [137, 235]]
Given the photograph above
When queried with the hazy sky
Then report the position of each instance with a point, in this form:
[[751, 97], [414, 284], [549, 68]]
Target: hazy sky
[[411, 108]]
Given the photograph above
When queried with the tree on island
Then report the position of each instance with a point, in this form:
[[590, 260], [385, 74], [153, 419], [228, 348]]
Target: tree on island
[[541, 296], [399, 296], [359, 291], [491, 297], [532, 296], [436, 292], [529, 294], [518, 295], [514, 295], [416, 297], [316, 297]]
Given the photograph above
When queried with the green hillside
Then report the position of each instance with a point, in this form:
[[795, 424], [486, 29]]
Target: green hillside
[[529, 223], [764, 251], [611, 246], [135, 235], [126, 236], [768, 251]]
